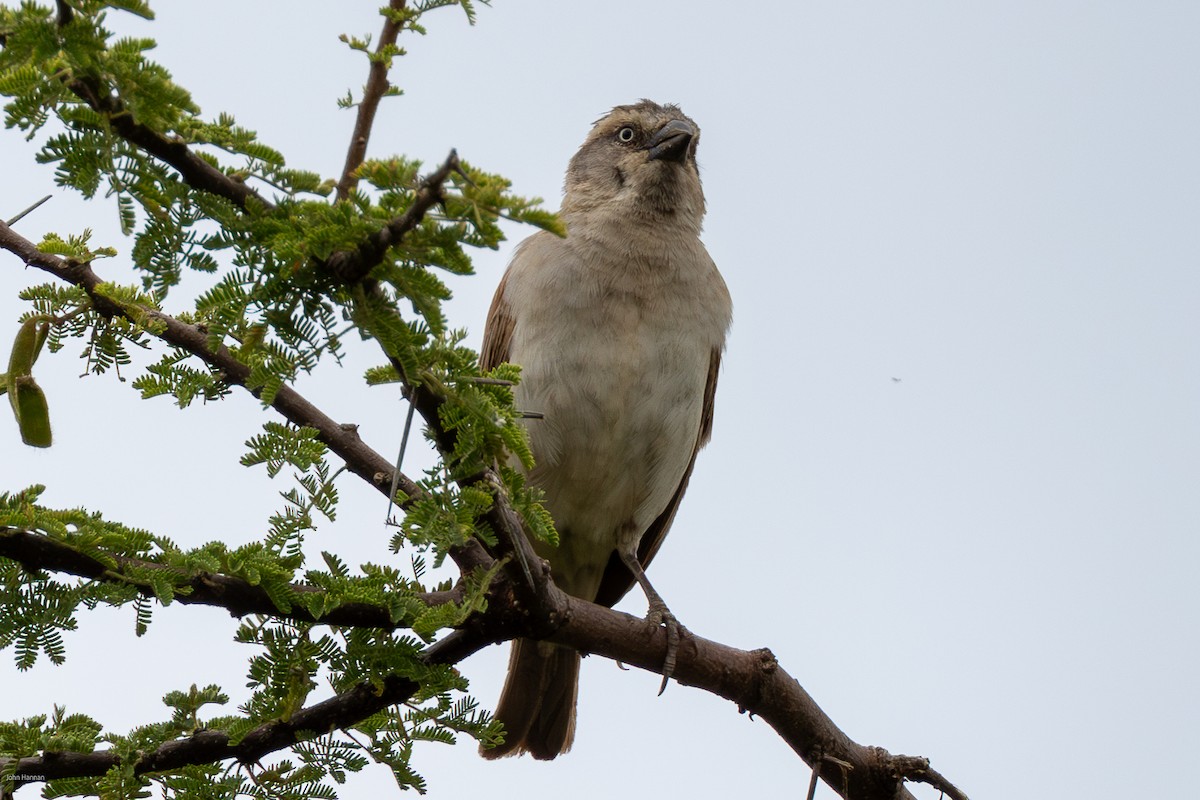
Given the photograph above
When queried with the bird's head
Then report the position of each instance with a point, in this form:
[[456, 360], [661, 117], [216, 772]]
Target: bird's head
[[639, 161]]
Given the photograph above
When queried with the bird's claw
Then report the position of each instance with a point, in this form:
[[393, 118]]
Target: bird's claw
[[659, 614]]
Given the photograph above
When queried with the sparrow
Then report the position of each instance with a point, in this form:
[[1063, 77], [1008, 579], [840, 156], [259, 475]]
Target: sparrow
[[618, 329]]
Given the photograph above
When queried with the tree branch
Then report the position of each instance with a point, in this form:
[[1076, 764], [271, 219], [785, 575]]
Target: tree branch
[[195, 171], [36, 551], [349, 267], [376, 86], [341, 439], [211, 746], [758, 685], [916, 768], [352, 266], [753, 680]]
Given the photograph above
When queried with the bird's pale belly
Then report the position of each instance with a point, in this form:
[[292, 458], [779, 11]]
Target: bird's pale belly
[[619, 429]]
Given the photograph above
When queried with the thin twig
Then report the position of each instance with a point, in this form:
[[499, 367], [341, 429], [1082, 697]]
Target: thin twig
[[374, 90], [349, 267]]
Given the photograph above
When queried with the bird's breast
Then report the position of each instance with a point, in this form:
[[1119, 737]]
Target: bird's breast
[[617, 365]]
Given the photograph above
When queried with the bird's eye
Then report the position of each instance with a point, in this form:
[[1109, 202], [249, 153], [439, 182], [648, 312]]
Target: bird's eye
[[626, 134]]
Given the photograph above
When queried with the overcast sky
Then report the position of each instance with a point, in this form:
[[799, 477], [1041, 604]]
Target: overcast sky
[[954, 482]]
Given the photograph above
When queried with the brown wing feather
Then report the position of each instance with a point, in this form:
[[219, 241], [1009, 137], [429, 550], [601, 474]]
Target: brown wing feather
[[618, 580], [498, 332]]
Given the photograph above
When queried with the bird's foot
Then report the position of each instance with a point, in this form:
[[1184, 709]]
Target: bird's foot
[[659, 614]]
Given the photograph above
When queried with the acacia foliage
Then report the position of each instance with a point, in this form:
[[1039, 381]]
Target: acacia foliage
[[295, 274]]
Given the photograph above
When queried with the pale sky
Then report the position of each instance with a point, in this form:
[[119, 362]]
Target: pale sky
[[990, 562]]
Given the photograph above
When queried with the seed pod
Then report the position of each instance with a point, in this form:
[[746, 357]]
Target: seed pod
[[33, 414]]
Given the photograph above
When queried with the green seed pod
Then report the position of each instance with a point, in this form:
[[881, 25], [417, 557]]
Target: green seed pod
[[33, 414], [24, 351]]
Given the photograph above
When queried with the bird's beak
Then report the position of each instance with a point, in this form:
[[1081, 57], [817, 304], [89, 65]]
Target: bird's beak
[[671, 142]]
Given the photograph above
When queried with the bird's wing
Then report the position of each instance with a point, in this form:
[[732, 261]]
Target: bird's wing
[[498, 332], [618, 580]]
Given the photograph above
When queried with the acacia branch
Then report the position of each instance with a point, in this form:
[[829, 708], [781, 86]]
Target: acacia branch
[[36, 551], [349, 267], [374, 90], [758, 685], [341, 439], [211, 746], [194, 170], [753, 680], [352, 266]]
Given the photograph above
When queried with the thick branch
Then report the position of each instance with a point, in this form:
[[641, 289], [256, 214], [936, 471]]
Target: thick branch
[[758, 685], [376, 86], [36, 551], [753, 680]]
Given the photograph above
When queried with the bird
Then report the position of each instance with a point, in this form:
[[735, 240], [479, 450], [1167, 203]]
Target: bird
[[619, 328]]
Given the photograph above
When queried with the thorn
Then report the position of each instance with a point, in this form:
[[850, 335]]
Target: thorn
[[18, 217], [816, 774], [491, 381], [399, 460], [456, 167], [846, 765]]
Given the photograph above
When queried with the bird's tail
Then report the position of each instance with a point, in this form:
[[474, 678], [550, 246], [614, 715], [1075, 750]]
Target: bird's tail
[[537, 705]]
